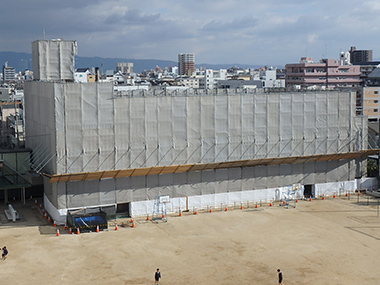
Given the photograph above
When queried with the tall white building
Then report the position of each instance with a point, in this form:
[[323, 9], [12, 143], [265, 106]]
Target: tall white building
[[8, 73], [211, 77], [54, 60], [124, 67]]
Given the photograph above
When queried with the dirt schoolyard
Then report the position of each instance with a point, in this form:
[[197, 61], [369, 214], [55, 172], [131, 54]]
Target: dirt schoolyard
[[332, 241]]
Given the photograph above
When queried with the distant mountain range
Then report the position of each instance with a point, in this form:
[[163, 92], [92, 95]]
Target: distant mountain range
[[22, 61]]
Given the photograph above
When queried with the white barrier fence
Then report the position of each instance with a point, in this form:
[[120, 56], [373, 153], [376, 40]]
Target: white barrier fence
[[251, 197], [231, 199]]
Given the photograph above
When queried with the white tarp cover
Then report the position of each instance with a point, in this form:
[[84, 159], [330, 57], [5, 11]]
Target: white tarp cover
[[96, 131], [86, 128], [54, 59]]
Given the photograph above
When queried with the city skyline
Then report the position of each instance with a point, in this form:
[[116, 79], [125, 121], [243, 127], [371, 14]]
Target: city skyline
[[248, 32]]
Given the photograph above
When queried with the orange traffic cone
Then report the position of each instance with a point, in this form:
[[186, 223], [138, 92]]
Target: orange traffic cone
[[116, 227], [70, 231], [35, 201], [196, 212], [163, 216], [310, 199], [45, 215], [41, 206], [296, 200], [58, 234], [78, 231], [241, 206], [133, 224], [346, 194], [256, 206], [147, 217], [97, 229], [49, 219], [65, 226], [180, 213], [226, 209], [54, 224], [334, 196], [283, 202], [210, 209], [323, 197], [270, 204]]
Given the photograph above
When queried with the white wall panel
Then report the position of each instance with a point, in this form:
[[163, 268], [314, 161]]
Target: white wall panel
[[123, 192], [234, 116], [137, 120], [107, 191], [285, 120], [74, 151], [273, 117], [179, 118], [89, 106], [260, 119]]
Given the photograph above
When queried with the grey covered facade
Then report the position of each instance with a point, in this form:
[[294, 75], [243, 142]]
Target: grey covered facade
[[97, 147]]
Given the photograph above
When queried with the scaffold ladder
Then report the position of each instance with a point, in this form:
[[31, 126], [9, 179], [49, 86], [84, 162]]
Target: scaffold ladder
[[159, 209]]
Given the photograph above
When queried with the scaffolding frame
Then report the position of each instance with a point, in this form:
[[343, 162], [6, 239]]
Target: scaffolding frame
[[159, 208], [290, 195]]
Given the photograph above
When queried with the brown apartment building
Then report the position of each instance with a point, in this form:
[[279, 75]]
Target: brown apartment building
[[186, 63]]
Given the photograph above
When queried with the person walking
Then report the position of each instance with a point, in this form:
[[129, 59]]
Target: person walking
[[279, 277], [157, 277], [5, 253]]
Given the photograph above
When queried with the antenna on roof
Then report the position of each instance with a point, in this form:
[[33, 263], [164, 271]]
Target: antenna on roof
[[43, 32]]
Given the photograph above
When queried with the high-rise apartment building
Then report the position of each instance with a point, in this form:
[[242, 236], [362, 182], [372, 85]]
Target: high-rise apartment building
[[8, 73], [124, 67], [359, 56], [186, 63]]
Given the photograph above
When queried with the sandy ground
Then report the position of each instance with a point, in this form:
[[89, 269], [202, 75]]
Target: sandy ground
[[332, 241]]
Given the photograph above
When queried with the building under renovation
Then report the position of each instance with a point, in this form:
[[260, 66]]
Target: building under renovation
[[97, 147]]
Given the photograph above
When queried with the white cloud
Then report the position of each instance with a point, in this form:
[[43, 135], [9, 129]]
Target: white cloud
[[312, 38]]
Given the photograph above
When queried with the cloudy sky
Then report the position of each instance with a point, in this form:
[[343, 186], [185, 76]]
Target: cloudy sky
[[270, 32]]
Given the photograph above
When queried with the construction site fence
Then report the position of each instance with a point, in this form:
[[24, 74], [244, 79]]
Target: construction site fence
[[253, 197]]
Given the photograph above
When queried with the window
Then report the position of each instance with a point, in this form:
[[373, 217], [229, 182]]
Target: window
[[376, 101], [376, 92], [376, 110]]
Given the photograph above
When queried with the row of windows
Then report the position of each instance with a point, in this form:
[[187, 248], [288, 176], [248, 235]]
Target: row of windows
[[308, 70], [318, 70], [320, 78]]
